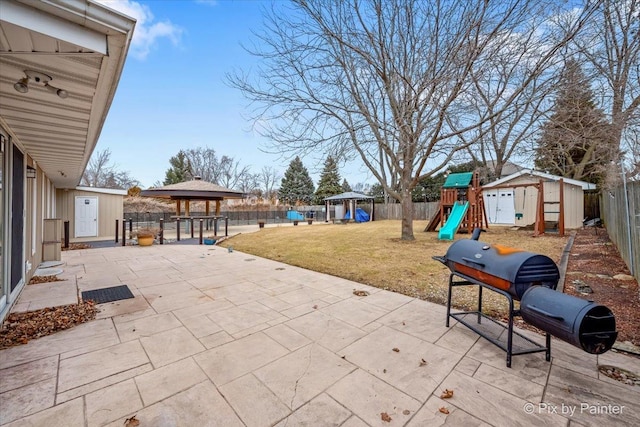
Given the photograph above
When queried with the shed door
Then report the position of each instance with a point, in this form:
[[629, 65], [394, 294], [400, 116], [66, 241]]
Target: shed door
[[506, 207], [86, 214], [500, 206]]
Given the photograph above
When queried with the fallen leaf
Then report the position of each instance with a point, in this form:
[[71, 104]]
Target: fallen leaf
[[446, 394], [315, 307], [403, 323], [131, 422], [360, 293], [406, 412], [423, 362], [385, 417], [396, 349], [384, 371], [444, 410]]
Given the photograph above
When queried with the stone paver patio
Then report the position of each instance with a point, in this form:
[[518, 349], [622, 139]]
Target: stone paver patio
[[219, 338]]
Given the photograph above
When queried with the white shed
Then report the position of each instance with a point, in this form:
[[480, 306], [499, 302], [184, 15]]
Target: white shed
[[512, 200]]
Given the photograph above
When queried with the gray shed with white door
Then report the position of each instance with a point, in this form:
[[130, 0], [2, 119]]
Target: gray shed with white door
[[91, 212]]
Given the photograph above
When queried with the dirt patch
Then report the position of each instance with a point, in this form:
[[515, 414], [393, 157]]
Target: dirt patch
[[597, 272], [19, 328]]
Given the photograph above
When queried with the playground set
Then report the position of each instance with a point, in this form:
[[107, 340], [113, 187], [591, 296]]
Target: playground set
[[462, 206]]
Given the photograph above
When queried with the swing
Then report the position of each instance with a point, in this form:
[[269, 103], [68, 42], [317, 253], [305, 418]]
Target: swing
[[519, 215]]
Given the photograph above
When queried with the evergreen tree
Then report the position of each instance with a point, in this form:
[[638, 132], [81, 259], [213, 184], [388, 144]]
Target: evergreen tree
[[329, 184], [576, 142], [180, 169], [345, 186], [297, 186]]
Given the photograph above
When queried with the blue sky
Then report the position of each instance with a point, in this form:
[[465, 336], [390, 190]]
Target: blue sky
[[172, 93]]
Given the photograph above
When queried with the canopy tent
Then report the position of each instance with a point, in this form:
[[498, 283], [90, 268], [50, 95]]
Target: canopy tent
[[348, 200], [196, 189]]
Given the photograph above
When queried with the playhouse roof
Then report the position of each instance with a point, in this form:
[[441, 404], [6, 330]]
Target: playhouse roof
[[546, 176], [458, 180]]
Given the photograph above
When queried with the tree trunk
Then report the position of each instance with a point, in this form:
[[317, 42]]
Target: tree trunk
[[407, 215]]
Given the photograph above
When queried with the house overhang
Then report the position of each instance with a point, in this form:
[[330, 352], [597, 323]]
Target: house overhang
[[82, 45]]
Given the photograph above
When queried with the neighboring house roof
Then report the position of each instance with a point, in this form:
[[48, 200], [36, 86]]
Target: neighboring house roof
[[114, 191], [82, 46], [508, 168], [349, 195], [195, 189], [543, 175]]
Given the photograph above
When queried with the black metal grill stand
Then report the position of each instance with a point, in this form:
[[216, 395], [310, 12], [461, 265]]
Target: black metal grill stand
[[474, 321]]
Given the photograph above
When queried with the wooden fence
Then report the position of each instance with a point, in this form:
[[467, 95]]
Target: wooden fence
[[623, 222], [421, 211]]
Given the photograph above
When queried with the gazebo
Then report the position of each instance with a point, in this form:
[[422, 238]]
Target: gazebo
[[348, 200], [196, 189]]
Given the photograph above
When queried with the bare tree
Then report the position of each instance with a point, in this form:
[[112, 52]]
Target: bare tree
[[224, 171], [231, 173], [101, 173], [611, 46], [510, 121], [385, 79], [269, 178], [248, 183], [203, 162]]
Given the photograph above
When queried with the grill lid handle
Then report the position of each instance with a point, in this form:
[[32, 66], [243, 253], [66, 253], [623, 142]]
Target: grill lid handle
[[473, 261], [545, 313]]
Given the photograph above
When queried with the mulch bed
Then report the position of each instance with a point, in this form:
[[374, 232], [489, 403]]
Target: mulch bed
[[19, 328], [593, 263]]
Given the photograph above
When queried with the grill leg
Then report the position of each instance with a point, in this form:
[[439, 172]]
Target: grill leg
[[548, 352], [479, 304], [449, 299], [510, 333]]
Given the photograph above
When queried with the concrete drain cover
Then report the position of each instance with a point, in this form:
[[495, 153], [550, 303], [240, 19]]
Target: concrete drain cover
[[49, 264], [48, 271]]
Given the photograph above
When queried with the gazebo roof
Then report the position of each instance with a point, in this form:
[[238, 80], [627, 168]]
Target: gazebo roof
[[349, 195], [195, 189]]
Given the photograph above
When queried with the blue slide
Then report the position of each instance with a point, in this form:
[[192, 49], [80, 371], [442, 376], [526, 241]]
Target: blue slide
[[450, 228]]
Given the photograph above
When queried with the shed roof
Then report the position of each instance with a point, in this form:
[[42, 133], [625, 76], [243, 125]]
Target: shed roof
[[349, 195], [114, 191], [532, 172], [195, 189]]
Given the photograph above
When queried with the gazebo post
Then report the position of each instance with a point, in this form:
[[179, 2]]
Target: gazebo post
[[206, 212], [328, 211], [217, 207], [372, 210], [187, 208], [178, 207]]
